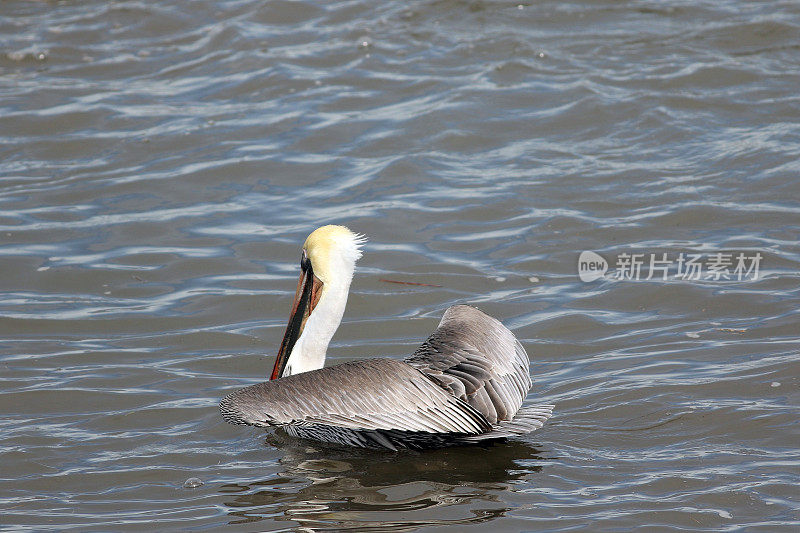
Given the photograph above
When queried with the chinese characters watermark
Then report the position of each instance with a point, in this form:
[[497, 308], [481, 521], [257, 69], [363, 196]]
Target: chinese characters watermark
[[717, 266]]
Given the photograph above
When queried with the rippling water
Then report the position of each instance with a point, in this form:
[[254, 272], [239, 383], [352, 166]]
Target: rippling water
[[162, 162]]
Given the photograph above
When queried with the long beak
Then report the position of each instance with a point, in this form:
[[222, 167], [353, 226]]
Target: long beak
[[306, 297]]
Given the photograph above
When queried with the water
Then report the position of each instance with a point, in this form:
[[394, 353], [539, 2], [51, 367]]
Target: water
[[162, 163]]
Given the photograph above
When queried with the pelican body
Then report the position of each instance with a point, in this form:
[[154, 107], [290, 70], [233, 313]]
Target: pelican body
[[464, 384]]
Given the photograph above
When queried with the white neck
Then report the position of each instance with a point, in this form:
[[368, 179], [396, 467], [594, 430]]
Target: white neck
[[310, 349]]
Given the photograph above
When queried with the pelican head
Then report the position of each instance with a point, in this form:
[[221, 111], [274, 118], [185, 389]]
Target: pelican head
[[327, 264]]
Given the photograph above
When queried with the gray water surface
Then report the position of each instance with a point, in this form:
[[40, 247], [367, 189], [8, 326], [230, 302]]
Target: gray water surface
[[161, 164]]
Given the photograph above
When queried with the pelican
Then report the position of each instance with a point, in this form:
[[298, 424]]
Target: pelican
[[464, 384]]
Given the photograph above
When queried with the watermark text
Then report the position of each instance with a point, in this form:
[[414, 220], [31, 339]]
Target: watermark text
[[715, 266]]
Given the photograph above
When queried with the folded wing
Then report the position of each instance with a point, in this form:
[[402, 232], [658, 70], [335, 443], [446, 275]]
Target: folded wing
[[478, 360], [370, 394]]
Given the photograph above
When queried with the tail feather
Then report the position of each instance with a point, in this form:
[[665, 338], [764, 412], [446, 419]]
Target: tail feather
[[527, 420]]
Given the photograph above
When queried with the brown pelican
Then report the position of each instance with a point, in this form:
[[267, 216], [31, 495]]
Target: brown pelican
[[464, 384]]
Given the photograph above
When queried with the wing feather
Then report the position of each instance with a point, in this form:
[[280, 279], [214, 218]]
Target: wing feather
[[477, 359], [370, 394]]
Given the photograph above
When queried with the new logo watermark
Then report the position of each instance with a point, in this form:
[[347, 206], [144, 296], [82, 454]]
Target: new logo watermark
[[716, 266], [591, 266]]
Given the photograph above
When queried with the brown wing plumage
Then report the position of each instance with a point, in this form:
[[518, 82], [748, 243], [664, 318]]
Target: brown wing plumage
[[370, 394], [478, 360]]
